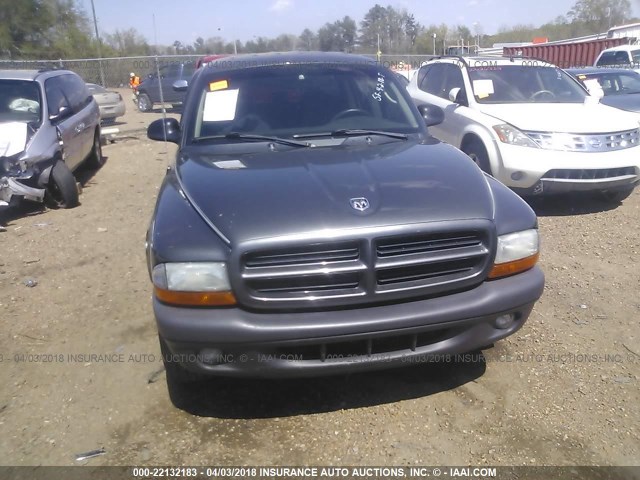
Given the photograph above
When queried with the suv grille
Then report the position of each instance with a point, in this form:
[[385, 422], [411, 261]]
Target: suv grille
[[586, 143], [354, 271], [590, 174]]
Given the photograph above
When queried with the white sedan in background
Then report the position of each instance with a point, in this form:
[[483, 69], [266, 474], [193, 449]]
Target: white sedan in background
[[111, 103]]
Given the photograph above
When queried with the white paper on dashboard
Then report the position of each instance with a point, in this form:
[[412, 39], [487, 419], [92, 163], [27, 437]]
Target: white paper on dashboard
[[220, 106], [483, 88]]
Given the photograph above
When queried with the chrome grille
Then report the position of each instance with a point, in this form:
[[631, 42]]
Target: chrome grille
[[573, 142], [370, 269]]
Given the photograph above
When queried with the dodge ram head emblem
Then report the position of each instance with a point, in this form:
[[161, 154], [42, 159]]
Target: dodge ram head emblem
[[360, 204]]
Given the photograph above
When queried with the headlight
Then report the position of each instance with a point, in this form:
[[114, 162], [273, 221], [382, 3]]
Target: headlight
[[193, 284], [513, 136], [516, 253]]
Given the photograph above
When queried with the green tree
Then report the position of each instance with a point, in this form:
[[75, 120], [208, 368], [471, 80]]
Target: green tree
[[308, 40], [600, 15]]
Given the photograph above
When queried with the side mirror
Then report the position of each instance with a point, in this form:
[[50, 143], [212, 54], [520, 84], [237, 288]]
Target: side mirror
[[453, 94], [432, 114], [180, 85], [167, 129], [63, 111]]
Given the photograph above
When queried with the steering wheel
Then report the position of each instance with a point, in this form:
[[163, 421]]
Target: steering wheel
[[350, 112], [540, 93]]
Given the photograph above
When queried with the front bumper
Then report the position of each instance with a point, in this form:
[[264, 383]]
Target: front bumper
[[535, 170], [236, 342]]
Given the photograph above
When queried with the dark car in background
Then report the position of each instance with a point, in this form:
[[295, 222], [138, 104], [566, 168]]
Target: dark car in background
[[312, 226], [158, 89], [620, 86], [49, 126]]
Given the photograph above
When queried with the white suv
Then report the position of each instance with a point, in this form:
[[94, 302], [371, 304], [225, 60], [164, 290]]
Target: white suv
[[531, 125]]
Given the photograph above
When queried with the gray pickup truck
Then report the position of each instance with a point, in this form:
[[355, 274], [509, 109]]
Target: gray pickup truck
[[312, 226]]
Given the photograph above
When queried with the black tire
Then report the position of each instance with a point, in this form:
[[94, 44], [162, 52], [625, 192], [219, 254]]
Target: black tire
[[144, 103], [179, 379], [95, 159], [62, 191], [478, 153], [616, 196]]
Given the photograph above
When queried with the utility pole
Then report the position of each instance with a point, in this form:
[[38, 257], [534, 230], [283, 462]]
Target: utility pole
[[95, 24], [434, 43]]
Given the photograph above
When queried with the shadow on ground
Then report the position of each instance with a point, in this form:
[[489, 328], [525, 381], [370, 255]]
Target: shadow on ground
[[244, 398], [577, 203]]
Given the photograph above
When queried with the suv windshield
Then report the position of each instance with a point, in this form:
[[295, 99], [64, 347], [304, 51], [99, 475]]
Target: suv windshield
[[302, 99], [524, 84], [19, 101]]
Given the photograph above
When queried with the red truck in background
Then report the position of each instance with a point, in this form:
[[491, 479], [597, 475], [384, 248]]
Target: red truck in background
[[566, 55]]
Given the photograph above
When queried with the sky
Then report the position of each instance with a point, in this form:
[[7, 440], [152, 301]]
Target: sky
[[246, 19]]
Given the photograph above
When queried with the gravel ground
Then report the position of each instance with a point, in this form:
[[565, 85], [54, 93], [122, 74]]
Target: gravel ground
[[562, 391]]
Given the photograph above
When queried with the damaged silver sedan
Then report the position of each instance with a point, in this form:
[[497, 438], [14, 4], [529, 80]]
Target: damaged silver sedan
[[49, 126]]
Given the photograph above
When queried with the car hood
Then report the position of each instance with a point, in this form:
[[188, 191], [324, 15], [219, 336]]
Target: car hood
[[305, 190], [629, 102], [562, 117]]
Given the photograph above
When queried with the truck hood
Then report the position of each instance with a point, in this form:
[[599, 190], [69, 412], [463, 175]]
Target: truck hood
[[562, 117], [303, 190]]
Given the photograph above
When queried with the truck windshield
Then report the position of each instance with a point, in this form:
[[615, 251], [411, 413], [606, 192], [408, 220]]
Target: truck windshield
[[524, 84], [302, 99], [19, 101]]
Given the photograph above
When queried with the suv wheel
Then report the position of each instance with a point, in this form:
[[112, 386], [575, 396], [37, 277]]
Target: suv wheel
[[96, 160], [62, 191], [476, 151], [144, 103]]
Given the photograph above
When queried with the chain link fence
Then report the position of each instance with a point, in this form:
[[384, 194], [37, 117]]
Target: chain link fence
[[114, 72]]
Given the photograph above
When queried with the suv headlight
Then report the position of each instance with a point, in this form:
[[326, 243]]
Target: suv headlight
[[512, 136], [193, 284], [516, 253]]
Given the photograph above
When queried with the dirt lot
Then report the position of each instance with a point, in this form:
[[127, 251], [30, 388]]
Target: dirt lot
[[562, 391]]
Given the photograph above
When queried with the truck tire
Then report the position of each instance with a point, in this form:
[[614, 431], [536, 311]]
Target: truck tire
[[476, 151], [144, 103], [62, 191], [178, 378]]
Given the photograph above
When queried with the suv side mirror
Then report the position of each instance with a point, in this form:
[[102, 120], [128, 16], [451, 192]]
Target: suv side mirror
[[167, 129], [432, 114], [62, 112], [456, 95], [180, 85]]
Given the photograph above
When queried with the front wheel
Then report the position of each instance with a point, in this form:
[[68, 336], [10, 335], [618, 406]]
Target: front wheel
[[62, 191], [178, 378], [144, 103], [476, 151]]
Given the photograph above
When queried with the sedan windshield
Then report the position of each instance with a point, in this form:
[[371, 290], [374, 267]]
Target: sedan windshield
[[19, 101], [301, 100], [524, 84]]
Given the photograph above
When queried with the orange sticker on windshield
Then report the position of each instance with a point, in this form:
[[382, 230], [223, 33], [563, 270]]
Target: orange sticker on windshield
[[219, 85]]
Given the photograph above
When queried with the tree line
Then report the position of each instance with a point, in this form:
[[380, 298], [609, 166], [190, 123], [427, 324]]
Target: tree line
[[52, 29]]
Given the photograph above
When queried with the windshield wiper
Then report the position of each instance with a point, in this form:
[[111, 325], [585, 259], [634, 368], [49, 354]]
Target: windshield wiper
[[353, 133], [249, 136]]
